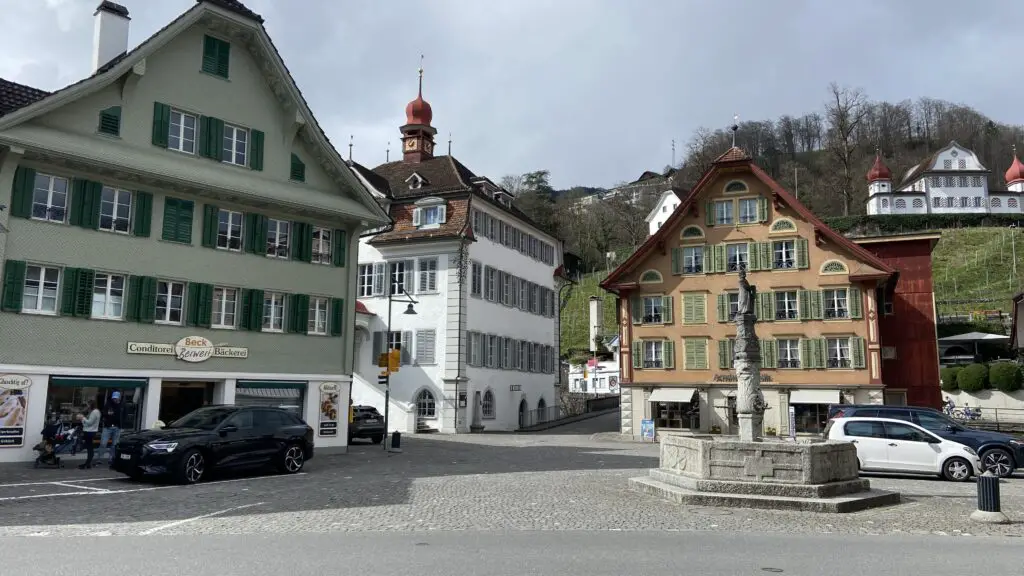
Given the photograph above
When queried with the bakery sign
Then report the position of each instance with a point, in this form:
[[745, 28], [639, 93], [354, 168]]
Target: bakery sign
[[189, 349]]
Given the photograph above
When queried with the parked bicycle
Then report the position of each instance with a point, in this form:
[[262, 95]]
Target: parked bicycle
[[964, 414]]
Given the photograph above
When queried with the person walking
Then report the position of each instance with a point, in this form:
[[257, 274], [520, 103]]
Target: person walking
[[111, 425], [90, 425]]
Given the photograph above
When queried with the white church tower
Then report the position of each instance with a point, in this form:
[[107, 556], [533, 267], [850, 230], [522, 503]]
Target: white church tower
[[879, 178]]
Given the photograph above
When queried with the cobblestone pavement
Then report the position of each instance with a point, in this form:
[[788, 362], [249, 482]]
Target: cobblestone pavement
[[548, 481]]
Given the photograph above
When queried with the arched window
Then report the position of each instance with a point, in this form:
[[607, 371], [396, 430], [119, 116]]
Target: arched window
[[735, 187], [782, 225], [487, 405], [949, 202], [937, 202], [977, 201], [425, 405], [901, 204], [965, 201], [692, 232], [996, 203], [918, 203], [650, 277], [833, 267], [1011, 203], [885, 202], [542, 410]]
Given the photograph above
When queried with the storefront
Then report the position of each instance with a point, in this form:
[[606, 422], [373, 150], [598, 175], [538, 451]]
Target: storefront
[[810, 408], [675, 408], [288, 396]]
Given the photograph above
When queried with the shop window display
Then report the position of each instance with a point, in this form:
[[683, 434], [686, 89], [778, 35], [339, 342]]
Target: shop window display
[[677, 415], [810, 418], [285, 395]]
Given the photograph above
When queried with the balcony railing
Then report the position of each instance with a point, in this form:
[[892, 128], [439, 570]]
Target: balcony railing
[[653, 319], [835, 313], [654, 363], [784, 263], [695, 268], [786, 314], [789, 363], [838, 362]]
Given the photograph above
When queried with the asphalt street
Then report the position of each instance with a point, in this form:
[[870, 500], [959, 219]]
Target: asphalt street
[[501, 553]]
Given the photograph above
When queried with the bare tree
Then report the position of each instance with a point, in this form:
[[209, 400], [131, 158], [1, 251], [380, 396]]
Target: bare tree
[[845, 110]]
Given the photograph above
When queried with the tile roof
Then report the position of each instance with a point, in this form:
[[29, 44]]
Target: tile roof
[[734, 154], [236, 7], [362, 309], [456, 223], [379, 182], [442, 174], [14, 96]]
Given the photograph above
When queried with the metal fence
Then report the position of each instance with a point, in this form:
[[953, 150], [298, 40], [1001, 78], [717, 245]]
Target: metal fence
[[998, 419], [548, 414]]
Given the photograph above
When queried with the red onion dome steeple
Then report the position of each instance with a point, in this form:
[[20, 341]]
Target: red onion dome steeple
[[879, 171], [1016, 171], [418, 111]]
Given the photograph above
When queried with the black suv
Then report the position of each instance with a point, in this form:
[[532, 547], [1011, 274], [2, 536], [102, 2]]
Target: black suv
[[368, 423], [1000, 453]]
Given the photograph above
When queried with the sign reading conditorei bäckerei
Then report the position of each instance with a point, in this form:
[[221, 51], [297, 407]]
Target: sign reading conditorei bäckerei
[[189, 349]]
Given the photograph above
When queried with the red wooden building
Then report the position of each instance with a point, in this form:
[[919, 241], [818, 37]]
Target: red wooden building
[[910, 351]]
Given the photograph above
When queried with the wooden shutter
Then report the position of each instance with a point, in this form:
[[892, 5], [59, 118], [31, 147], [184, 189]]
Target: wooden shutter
[[804, 304], [211, 138], [855, 298], [668, 353], [817, 305], [13, 286], [298, 170], [857, 352], [666, 309], [178, 220], [700, 309], [689, 301], [216, 56], [257, 303], [83, 293], [339, 251], [806, 353], [210, 225], [205, 313], [147, 299], [709, 213], [246, 310], [255, 233], [426, 347], [677, 261], [69, 277], [637, 354], [192, 304], [636, 305], [769, 353], [719, 258], [21, 192], [723, 307], [256, 150], [417, 216], [762, 209], [753, 257], [161, 124], [765, 250], [803, 259], [724, 361], [86, 197], [700, 347], [766, 306], [110, 121], [337, 315], [143, 216]]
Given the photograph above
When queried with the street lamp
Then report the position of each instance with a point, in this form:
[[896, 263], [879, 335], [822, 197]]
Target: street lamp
[[410, 310]]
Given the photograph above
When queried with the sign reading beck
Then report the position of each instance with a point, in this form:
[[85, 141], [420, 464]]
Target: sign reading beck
[[189, 349]]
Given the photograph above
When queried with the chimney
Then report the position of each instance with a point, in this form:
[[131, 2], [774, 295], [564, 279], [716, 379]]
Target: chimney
[[110, 33], [596, 321]]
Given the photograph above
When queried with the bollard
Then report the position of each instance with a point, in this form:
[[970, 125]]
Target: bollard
[[989, 508], [396, 442]]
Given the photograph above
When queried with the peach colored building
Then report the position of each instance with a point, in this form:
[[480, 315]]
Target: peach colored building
[[816, 304]]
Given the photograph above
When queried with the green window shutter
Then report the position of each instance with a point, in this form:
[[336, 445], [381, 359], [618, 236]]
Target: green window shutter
[[340, 248], [666, 309], [110, 121], [856, 303], [256, 150], [298, 170], [765, 249], [700, 346], [677, 257], [216, 56], [822, 345], [255, 238], [689, 302], [14, 286], [803, 259], [211, 138], [161, 124], [147, 300], [690, 354], [700, 310], [21, 192], [256, 310], [724, 362], [337, 316], [719, 258], [759, 307], [637, 354], [132, 299], [762, 209], [69, 279], [705, 253], [804, 304], [84, 283], [817, 305], [143, 224], [753, 256], [732, 353], [637, 309], [668, 352], [857, 352], [709, 213], [86, 197], [205, 314], [769, 353], [211, 214], [246, 311], [194, 292], [806, 353], [303, 234], [291, 323], [178, 216], [723, 307]]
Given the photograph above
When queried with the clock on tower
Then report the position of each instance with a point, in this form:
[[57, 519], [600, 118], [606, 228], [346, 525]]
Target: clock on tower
[[428, 147], [410, 144]]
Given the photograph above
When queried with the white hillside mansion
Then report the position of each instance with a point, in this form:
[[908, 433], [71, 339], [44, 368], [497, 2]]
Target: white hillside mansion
[[950, 181], [663, 208], [480, 351]]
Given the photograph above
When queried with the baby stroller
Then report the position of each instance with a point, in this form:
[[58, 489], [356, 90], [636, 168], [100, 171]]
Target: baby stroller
[[57, 440]]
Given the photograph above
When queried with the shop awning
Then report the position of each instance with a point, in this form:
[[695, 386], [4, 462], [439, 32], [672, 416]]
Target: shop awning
[[250, 384], [81, 382], [269, 392], [683, 395], [808, 396]]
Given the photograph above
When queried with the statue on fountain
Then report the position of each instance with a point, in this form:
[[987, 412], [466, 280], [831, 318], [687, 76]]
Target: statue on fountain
[[750, 404]]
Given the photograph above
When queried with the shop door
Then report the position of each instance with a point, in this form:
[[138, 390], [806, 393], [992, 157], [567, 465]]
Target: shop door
[[179, 398]]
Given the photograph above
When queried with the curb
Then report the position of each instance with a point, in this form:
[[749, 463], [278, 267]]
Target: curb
[[568, 420]]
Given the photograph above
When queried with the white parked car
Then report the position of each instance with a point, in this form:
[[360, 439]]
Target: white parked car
[[887, 445]]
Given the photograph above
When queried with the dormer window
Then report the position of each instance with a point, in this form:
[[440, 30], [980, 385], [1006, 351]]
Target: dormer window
[[416, 182], [429, 212]]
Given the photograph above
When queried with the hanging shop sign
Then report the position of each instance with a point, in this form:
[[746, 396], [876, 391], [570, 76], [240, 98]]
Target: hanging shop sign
[[189, 349], [13, 409], [329, 398]]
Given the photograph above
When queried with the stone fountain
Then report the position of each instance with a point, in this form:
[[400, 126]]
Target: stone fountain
[[751, 472]]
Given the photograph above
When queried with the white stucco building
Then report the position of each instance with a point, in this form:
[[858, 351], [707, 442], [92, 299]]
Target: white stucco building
[[950, 181], [663, 208], [481, 349]]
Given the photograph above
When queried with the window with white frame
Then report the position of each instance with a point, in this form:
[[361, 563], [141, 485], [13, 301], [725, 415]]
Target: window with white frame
[[789, 352], [476, 285], [723, 212], [524, 295], [278, 233], [426, 346], [108, 296], [40, 292], [487, 405], [490, 283], [506, 292], [734, 304], [748, 210], [786, 305], [365, 280], [475, 357], [398, 341], [115, 210], [229, 230], [50, 198], [693, 259], [322, 247], [273, 312], [737, 257], [653, 309], [492, 351], [236, 145], [838, 352], [431, 215], [427, 275], [426, 407], [507, 353], [225, 302], [524, 356], [654, 355], [836, 303], [182, 134], [784, 254], [317, 316], [170, 297], [401, 276]]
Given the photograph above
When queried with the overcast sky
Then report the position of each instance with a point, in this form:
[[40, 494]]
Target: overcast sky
[[592, 90]]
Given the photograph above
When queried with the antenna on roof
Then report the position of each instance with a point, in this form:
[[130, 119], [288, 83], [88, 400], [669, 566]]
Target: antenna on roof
[[351, 138], [387, 152], [449, 143], [735, 128], [673, 153]]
